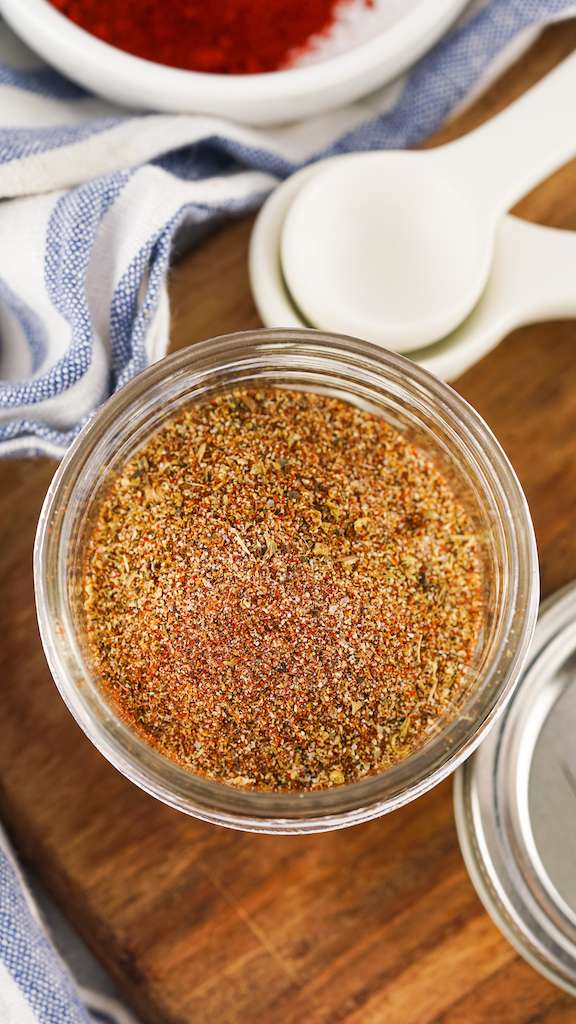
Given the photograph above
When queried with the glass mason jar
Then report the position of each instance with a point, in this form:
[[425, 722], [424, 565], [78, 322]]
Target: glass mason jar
[[426, 411]]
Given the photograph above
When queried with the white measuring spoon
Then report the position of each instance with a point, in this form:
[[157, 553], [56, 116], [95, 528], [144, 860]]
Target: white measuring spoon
[[533, 277], [396, 246]]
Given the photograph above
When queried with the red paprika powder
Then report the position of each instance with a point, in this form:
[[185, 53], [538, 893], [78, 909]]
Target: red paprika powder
[[227, 36]]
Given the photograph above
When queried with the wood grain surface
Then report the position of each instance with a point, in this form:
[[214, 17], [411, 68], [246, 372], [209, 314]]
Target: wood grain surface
[[378, 923]]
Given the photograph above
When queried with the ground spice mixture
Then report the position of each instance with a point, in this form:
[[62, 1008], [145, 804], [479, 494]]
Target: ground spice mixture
[[238, 37], [280, 592]]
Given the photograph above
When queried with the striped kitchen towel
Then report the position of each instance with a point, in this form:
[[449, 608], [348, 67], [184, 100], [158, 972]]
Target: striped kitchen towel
[[35, 985], [96, 196]]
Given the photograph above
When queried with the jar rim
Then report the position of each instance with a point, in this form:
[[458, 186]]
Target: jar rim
[[199, 366]]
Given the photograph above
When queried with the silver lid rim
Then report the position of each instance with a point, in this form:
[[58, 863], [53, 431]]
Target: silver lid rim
[[495, 890]]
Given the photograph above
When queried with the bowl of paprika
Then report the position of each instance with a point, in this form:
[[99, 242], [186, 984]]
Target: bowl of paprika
[[252, 61]]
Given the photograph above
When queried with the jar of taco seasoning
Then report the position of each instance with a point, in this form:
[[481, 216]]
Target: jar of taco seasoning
[[234, 678]]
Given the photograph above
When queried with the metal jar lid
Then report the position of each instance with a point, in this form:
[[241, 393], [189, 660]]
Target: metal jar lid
[[515, 803]]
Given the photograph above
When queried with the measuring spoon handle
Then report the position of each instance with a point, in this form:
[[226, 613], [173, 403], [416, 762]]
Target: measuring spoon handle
[[547, 264], [533, 279], [499, 162]]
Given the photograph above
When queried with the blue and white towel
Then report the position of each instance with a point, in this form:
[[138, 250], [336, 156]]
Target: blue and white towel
[[35, 985], [97, 194], [94, 197]]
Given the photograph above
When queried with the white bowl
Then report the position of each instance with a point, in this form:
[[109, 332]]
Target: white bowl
[[253, 99]]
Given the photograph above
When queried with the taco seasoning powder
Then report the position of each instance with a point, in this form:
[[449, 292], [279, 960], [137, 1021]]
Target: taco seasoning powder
[[280, 592]]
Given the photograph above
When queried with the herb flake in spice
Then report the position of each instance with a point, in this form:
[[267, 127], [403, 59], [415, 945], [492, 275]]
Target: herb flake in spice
[[280, 592]]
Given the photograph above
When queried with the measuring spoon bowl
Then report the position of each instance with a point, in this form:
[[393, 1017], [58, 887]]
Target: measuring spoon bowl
[[367, 248]]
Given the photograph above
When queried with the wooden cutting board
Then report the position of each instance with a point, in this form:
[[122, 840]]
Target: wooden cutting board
[[378, 923]]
